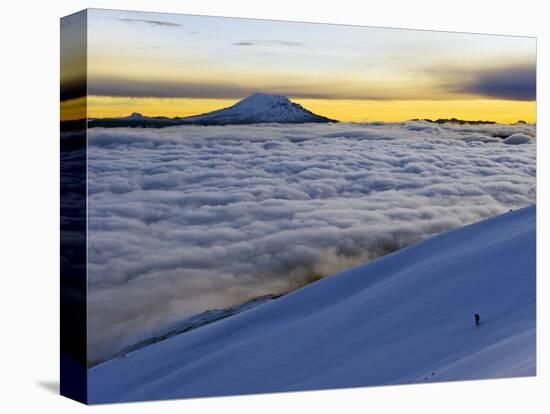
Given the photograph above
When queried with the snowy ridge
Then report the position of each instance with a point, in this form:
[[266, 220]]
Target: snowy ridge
[[404, 318]]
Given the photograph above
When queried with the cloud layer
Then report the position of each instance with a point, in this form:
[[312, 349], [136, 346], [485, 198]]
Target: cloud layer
[[185, 219]]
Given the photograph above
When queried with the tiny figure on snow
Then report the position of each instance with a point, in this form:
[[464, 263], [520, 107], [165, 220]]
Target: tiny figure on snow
[[476, 317]]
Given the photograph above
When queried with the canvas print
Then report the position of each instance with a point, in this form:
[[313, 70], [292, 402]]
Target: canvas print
[[253, 206]]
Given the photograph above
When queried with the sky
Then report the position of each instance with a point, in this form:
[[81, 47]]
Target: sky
[[180, 65]]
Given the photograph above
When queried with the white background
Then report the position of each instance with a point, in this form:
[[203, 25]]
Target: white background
[[29, 193]]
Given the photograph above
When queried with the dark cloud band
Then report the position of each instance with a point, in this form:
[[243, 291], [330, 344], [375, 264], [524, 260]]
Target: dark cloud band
[[73, 89], [165, 89], [519, 83], [515, 83], [511, 83]]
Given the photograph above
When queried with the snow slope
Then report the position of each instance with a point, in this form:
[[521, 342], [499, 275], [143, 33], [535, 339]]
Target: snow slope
[[404, 318], [197, 321]]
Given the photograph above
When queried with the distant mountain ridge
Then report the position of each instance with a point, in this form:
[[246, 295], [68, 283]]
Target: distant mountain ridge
[[258, 108], [456, 121]]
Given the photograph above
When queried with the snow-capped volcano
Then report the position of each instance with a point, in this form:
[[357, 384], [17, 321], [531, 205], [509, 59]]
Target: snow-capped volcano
[[259, 108]]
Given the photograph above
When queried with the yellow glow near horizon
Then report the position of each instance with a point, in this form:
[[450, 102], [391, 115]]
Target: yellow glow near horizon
[[504, 111], [73, 109], [107, 106]]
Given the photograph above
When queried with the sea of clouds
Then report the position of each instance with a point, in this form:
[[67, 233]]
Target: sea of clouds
[[190, 218]]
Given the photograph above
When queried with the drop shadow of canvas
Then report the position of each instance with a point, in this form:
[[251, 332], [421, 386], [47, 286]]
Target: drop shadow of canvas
[[50, 386]]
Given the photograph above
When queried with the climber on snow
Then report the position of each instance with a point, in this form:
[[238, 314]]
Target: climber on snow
[[476, 317]]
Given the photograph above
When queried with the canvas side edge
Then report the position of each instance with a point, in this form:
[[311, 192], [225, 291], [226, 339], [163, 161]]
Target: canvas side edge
[[73, 201]]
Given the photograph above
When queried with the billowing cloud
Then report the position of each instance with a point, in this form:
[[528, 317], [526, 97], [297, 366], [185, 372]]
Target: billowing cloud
[[190, 218]]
